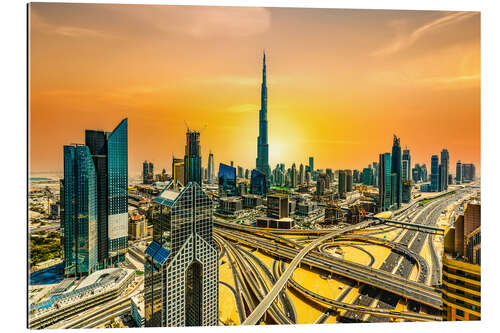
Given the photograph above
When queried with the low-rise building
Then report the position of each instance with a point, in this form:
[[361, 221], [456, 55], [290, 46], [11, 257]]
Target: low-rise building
[[230, 205], [306, 208], [137, 309], [137, 227], [251, 200]]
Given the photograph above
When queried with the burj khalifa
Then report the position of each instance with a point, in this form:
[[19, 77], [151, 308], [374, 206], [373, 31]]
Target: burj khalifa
[[262, 145]]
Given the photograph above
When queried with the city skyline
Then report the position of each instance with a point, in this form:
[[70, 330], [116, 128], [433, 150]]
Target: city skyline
[[304, 87]]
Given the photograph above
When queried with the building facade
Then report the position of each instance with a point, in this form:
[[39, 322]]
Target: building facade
[[181, 271], [192, 158], [384, 176], [80, 212], [396, 169]]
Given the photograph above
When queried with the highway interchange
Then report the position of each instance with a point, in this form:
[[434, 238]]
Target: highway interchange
[[262, 284]]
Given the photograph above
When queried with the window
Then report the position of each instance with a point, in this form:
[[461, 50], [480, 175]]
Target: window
[[460, 313]]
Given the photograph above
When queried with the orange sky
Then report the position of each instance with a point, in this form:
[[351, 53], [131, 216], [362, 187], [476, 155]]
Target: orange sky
[[340, 82]]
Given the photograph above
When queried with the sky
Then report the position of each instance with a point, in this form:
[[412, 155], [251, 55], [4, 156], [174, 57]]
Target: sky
[[340, 82]]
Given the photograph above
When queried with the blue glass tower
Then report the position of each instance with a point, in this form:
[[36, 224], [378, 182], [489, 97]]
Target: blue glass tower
[[227, 180], [258, 183], [80, 211], [262, 145], [434, 173], [117, 142], [385, 187], [109, 152]]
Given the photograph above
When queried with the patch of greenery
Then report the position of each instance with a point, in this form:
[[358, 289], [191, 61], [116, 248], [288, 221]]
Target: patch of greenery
[[139, 272], [423, 202], [44, 248]]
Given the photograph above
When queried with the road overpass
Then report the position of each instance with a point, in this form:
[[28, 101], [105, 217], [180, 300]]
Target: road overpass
[[259, 311]]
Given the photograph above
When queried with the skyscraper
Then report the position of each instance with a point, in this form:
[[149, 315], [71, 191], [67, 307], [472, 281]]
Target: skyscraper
[[211, 169], [445, 161], [311, 166], [178, 170], [407, 170], [258, 183], [342, 187], [192, 158], [80, 212], [227, 180], [396, 168], [262, 145], [349, 180], [458, 175], [301, 174], [434, 173], [384, 181], [109, 152], [145, 172], [181, 271]]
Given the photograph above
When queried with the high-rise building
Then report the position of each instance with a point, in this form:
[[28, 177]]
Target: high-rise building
[[181, 271], [404, 170], [396, 168], [227, 180], [384, 176], [145, 172], [458, 174], [406, 197], [301, 174], [80, 212], [434, 173], [423, 172], [406, 167], [311, 167], [342, 186], [445, 161], [240, 172], [293, 176], [192, 158], [211, 168], [258, 183], [308, 177], [109, 152], [262, 162], [442, 177], [468, 172], [349, 180], [355, 176], [375, 174], [367, 176], [178, 170], [247, 173]]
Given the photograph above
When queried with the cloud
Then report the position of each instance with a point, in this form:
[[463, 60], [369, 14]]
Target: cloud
[[200, 22], [39, 24], [404, 41]]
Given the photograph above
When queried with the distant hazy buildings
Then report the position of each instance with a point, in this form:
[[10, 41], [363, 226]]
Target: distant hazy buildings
[[211, 169], [406, 165], [458, 174], [147, 172]]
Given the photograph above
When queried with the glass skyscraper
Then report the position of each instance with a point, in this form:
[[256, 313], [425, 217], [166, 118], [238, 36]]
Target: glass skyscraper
[[396, 168], [109, 152], [384, 176], [258, 183], [80, 211], [192, 158], [181, 271], [227, 180], [434, 173]]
